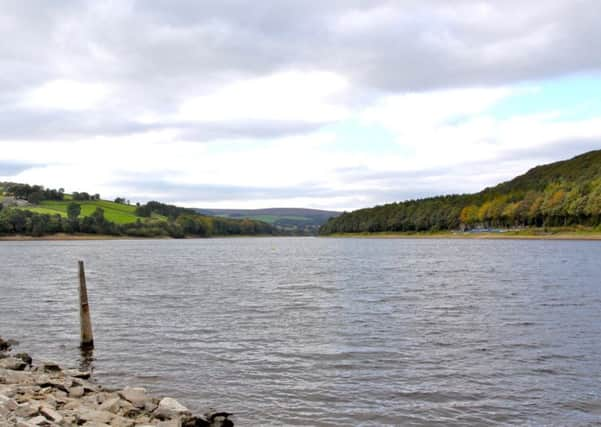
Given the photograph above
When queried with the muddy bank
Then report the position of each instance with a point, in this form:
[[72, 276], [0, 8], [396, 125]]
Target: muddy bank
[[36, 393]]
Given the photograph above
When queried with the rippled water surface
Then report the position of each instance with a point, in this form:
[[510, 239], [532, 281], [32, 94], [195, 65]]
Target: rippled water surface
[[332, 332]]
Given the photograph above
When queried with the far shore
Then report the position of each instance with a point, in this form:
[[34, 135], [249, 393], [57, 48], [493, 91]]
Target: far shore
[[81, 236], [508, 235]]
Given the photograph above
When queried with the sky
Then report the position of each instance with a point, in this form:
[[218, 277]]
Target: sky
[[337, 104]]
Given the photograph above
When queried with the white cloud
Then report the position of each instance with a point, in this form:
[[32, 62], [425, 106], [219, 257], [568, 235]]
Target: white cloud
[[285, 96], [66, 95]]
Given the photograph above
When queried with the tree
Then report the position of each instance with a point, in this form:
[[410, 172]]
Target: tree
[[73, 211]]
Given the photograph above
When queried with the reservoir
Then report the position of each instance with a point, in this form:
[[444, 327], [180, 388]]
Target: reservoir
[[325, 331]]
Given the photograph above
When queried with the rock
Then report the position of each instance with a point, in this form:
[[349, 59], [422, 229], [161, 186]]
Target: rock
[[136, 395], [112, 405], [8, 403], [170, 423], [4, 345], [27, 410], [122, 422], [219, 419], [12, 363], [93, 415], [76, 392], [25, 358], [51, 414], [76, 373], [171, 408], [195, 422], [51, 367], [39, 421]]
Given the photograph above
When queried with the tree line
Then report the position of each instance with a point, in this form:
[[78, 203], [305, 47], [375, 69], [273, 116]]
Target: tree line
[[559, 194], [159, 220]]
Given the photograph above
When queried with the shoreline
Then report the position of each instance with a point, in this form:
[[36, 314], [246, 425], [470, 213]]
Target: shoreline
[[80, 236], [45, 394], [509, 235]]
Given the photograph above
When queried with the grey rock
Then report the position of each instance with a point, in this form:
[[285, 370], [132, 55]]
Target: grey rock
[[51, 414], [76, 392], [12, 363], [25, 358], [93, 415], [51, 367], [76, 373], [136, 395], [27, 410], [171, 408]]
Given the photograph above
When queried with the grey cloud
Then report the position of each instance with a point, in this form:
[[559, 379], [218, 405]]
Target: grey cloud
[[154, 54]]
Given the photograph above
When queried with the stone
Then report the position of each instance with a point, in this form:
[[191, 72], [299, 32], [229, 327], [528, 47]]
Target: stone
[[8, 403], [51, 414], [27, 410], [177, 422], [195, 422], [4, 345], [170, 408], [219, 419], [25, 358], [12, 363], [118, 421], [112, 405], [39, 421], [93, 415], [76, 392], [76, 373], [51, 367], [136, 395]]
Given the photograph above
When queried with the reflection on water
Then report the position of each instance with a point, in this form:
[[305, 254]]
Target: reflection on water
[[333, 332], [86, 359]]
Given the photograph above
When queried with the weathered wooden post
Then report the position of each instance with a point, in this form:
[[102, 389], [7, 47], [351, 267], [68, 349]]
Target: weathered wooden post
[[87, 338]]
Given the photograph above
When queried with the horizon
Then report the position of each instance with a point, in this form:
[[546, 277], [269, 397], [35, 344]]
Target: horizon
[[334, 107]]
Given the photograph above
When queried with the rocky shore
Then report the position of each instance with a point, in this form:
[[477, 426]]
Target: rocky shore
[[44, 394]]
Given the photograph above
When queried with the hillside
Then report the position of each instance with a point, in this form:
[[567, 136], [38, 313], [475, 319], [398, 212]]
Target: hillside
[[563, 193], [295, 220], [35, 210]]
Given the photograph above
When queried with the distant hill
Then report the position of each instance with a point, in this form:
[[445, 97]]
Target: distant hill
[[563, 193], [299, 220]]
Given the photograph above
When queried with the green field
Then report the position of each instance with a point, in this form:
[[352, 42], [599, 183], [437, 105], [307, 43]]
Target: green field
[[114, 212]]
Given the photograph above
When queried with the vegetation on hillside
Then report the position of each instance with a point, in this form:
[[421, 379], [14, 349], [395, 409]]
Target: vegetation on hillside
[[37, 211], [289, 220], [558, 194]]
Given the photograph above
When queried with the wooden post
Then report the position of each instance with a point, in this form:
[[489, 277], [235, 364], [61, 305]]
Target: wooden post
[[87, 338]]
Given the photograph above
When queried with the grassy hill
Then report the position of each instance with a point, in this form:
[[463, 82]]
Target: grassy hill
[[35, 210], [565, 193], [114, 212], [289, 219]]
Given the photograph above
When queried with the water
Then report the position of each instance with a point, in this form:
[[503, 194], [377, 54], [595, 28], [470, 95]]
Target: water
[[330, 332]]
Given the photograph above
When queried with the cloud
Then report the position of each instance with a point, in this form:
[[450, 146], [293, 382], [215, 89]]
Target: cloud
[[8, 168], [66, 95], [220, 103]]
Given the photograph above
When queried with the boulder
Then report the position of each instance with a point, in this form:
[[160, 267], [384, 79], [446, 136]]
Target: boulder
[[136, 395], [170, 408]]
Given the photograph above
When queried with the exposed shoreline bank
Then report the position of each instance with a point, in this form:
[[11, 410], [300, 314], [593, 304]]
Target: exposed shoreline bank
[[509, 235], [81, 236], [44, 394]]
